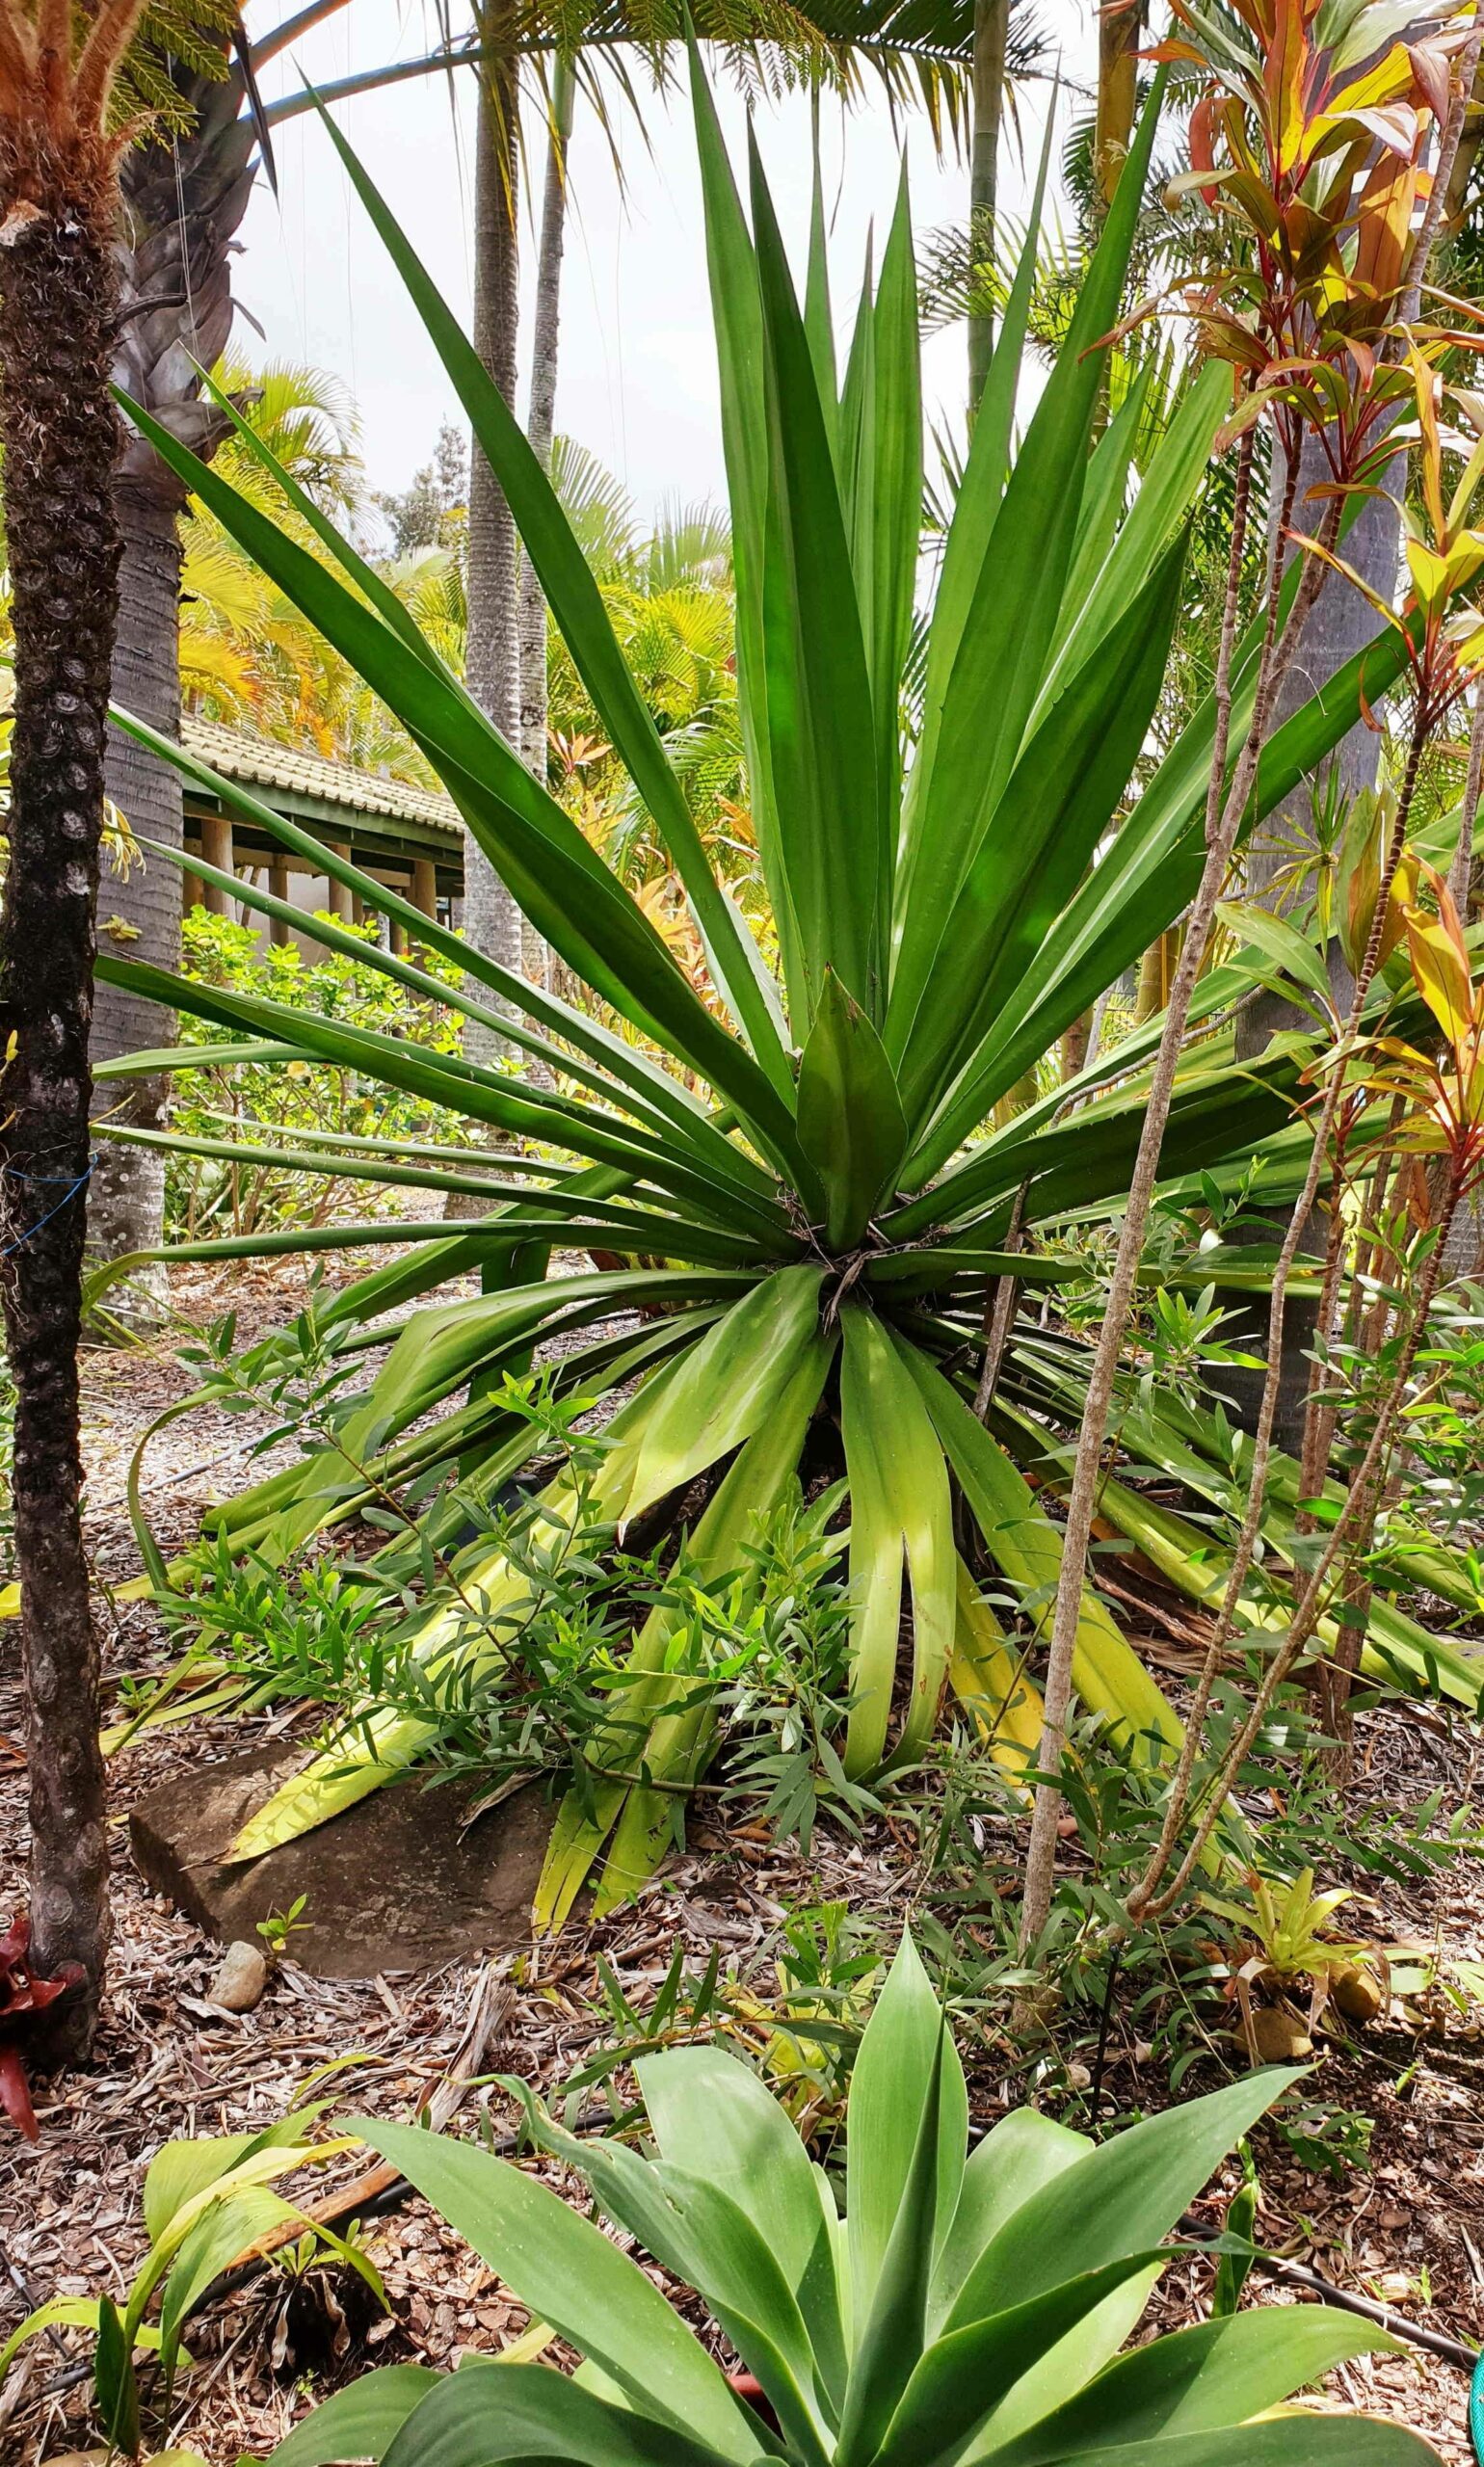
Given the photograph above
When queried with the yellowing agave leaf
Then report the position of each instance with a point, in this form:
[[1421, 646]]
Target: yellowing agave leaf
[[898, 1502], [678, 1741], [991, 1683], [730, 1384]]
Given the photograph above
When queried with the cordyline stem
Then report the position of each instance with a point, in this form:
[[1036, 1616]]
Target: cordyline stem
[[1355, 1522], [1461, 870], [1142, 1900], [1221, 828]]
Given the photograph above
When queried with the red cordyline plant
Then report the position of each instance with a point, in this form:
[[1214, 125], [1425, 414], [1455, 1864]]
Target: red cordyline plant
[[23, 1993], [1310, 140], [1312, 134], [1440, 1080]]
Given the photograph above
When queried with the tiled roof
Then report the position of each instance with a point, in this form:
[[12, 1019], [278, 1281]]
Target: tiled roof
[[257, 763]]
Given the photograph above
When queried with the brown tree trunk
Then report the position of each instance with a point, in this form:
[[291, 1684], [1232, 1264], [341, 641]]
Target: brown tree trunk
[[59, 438], [1120, 32]]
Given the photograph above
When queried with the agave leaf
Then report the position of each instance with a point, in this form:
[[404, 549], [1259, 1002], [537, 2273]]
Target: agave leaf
[[711, 2115], [359, 2420], [1122, 2197], [570, 2276], [903, 2050], [898, 1502], [497, 2412], [1022, 1539], [673, 1751], [1199, 2380], [851, 1124]]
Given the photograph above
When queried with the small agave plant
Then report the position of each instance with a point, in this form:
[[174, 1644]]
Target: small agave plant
[[965, 2307]]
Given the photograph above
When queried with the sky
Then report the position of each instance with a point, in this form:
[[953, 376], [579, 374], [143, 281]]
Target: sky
[[637, 382]]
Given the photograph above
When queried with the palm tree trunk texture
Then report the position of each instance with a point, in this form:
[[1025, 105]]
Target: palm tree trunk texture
[[139, 912], [1341, 623], [492, 921], [541, 421], [182, 203], [59, 438], [992, 33]]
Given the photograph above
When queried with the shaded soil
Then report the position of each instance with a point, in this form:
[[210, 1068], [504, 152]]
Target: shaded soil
[[1409, 2226]]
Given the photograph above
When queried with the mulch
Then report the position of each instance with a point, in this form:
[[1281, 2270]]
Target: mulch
[[1408, 2228]]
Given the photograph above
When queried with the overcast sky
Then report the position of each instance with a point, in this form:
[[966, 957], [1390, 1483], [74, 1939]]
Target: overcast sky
[[638, 376]]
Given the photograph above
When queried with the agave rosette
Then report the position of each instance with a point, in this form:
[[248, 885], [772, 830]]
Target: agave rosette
[[805, 1158]]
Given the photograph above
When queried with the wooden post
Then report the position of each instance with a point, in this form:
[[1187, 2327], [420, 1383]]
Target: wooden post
[[277, 883], [398, 938], [339, 899], [358, 908], [217, 850], [425, 885], [191, 892]]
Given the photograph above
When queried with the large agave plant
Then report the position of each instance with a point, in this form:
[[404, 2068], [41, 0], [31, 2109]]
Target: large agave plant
[[804, 1154], [960, 2309]]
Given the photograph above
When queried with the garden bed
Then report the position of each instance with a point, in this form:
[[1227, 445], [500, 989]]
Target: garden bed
[[1408, 2226]]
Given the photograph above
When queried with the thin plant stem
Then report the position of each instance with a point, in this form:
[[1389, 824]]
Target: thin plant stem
[[1352, 1522], [1142, 1897], [1222, 823]]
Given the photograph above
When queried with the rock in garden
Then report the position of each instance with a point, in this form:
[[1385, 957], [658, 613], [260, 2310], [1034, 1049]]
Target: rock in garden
[[407, 1879], [239, 1983]]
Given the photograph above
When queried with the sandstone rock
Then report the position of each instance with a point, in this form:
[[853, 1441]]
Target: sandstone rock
[[402, 1881], [239, 1983]]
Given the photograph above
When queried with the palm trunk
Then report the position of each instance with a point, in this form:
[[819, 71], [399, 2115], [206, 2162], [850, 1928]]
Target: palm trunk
[[1339, 624], [1119, 32], [139, 912], [540, 419], [992, 33], [492, 921], [59, 438], [182, 203]]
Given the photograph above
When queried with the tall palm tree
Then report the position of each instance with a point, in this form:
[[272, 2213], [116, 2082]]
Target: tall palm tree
[[59, 308], [825, 38], [184, 191]]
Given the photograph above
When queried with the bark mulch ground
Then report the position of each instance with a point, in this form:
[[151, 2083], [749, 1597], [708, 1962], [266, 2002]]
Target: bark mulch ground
[[1407, 2227]]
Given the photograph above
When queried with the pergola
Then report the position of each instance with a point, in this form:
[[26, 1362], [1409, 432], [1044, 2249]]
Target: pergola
[[406, 835]]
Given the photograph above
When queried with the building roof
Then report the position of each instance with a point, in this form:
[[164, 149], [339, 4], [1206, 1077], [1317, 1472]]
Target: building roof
[[256, 761]]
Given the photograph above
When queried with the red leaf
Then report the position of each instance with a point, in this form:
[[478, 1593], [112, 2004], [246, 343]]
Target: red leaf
[[15, 2095]]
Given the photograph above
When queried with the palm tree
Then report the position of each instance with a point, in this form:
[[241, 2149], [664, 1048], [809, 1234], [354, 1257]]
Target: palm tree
[[183, 192], [59, 310]]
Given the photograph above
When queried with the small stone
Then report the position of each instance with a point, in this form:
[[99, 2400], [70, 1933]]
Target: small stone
[[240, 1981], [1279, 2037], [1358, 1992]]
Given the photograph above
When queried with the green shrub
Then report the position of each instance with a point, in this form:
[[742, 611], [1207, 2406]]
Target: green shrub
[[291, 1101]]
